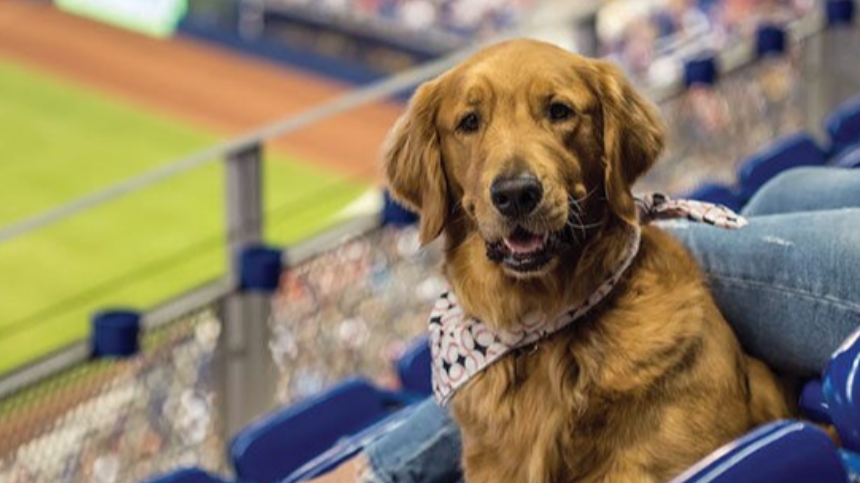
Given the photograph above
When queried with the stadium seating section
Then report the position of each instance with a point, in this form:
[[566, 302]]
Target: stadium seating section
[[311, 437]]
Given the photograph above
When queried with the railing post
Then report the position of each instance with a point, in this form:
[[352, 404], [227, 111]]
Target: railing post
[[244, 191], [830, 62], [813, 59], [245, 370], [552, 21], [589, 42]]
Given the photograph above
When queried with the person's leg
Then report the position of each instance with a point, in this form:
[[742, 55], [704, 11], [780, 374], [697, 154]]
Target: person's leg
[[807, 189], [424, 449], [789, 284]]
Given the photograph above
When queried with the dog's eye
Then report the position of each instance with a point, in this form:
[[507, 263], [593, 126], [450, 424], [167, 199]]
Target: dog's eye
[[559, 112], [469, 123]]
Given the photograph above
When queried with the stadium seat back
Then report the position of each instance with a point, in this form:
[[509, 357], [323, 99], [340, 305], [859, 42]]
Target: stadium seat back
[[812, 403], [276, 445], [843, 126], [348, 447], [784, 452], [187, 475], [786, 153], [717, 193], [413, 368], [841, 387]]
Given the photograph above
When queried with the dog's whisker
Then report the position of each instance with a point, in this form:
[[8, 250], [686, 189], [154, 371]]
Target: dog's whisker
[[575, 203], [579, 223], [585, 196], [587, 226]]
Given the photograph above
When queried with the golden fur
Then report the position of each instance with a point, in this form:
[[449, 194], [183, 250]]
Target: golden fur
[[650, 382]]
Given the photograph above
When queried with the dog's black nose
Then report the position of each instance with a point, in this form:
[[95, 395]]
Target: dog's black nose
[[516, 196]]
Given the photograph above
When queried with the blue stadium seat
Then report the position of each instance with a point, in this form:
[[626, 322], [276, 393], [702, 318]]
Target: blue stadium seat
[[187, 475], [395, 214], [843, 126], [786, 153], [849, 157], [852, 464], [346, 448], [841, 390], [812, 403], [784, 452], [717, 193], [275, 446], [413, 368]]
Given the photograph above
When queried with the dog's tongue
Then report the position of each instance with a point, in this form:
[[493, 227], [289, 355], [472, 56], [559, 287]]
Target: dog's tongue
[[523, 242]]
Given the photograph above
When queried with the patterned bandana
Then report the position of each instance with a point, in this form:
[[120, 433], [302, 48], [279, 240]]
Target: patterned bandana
[[464, 346]]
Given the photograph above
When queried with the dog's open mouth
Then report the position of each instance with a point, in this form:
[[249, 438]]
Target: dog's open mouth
[[523, 251]]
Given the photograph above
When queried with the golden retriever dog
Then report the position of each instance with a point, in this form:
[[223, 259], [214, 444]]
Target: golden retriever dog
[[523, 157]]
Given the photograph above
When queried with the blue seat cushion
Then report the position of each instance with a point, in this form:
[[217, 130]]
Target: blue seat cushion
[[843, 126], [278, 444], [786, 153]]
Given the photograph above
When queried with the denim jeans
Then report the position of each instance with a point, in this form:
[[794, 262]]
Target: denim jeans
[[789, 284]]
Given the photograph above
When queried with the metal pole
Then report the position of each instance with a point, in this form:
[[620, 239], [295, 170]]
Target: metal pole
[[571, 25], [245, 369], [814, 58], [244, 173], [589, 43]]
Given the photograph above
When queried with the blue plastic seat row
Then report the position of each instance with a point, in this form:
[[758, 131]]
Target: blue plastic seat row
[[783, 451], [284, 441], [843, 128], [783, 154]]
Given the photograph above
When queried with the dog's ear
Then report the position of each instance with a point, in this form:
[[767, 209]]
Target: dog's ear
[[413, 162], [633, 137]]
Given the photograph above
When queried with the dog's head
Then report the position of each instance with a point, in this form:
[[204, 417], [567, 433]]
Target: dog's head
[[530, 147]]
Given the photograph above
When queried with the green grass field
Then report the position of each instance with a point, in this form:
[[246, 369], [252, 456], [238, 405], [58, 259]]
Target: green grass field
[[59, 142]]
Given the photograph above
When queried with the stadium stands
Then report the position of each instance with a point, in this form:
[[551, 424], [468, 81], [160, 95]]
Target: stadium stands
[[336, 303]]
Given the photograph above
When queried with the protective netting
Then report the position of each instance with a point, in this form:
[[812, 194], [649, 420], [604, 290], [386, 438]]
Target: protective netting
[[353, 310], [120, 421]]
